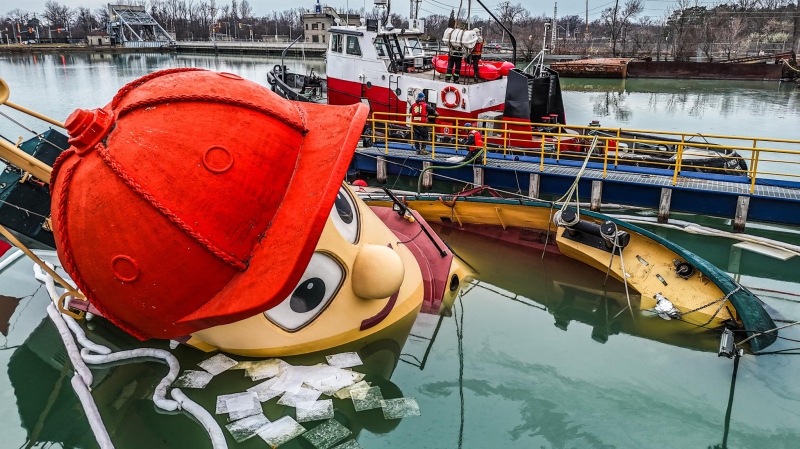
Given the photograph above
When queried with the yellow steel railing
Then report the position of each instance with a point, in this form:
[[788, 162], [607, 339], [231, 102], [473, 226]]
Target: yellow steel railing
[[674, 151]]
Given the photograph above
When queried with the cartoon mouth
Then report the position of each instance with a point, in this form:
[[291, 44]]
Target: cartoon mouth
[[380, 316]]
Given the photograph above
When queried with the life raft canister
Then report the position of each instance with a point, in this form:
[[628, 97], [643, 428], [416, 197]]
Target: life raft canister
[[446, 91]]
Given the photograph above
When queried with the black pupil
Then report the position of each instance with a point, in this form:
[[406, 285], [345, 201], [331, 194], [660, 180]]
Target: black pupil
[[308, 295], [343, 208]]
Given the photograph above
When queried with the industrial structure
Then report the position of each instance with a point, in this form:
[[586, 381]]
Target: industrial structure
[[133, 26]]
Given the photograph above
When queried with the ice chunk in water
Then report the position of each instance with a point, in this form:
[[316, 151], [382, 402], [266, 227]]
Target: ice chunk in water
[[244, 429], [263, 369], [400, 408], [264, 390], [352, 444], [217, 364], [366, 399], [303, 398], [281, 431], [344, 360], [317, 411], [327, 434], [193, 379]]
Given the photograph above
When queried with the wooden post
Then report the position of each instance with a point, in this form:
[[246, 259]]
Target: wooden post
[[381, 170], [533, 188], [427, 178], [663, 205], [739, 220], [597, 195], [477, 176]]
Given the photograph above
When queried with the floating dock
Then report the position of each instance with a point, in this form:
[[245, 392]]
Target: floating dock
[[758, 194]]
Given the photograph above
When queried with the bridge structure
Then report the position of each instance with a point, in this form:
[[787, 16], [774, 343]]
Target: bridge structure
[[133, 26]]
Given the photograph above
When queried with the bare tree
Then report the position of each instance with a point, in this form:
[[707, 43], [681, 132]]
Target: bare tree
[[58, 15], [618, 19]]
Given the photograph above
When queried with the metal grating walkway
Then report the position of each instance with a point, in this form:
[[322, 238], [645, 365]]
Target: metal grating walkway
[[736, 188]]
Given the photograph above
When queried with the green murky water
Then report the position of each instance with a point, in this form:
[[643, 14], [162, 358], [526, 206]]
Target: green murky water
[[534, 354]]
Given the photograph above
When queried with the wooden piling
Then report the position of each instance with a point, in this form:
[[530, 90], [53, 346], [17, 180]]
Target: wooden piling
[[427, 178], [477, 178], [533, 188], [381, 170], [597, 195], [663, 205], [739, 220]]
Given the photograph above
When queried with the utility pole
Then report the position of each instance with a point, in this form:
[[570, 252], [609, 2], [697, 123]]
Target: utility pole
[[586, 33], [554, 29]]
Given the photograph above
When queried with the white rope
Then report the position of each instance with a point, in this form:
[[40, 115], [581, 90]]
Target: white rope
[[93, 354]]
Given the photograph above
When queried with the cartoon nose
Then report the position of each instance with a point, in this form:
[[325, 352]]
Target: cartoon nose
[[377, 272]]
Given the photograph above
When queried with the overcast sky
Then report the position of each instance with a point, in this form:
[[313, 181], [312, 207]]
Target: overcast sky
[[653, 8]]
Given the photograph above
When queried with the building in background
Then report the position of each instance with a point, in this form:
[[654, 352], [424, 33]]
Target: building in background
[[316, 24]]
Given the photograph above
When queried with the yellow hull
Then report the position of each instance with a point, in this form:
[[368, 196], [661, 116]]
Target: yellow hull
[[653, 258]]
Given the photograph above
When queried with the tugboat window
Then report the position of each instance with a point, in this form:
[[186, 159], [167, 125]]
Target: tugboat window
[[380, 47], [344, 215], [319, 284], [353, 48], [336, 43]]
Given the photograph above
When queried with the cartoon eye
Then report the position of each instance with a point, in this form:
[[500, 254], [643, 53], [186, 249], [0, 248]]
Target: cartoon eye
[[345, 215], [316, 288]]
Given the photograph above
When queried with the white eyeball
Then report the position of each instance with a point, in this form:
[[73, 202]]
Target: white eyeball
[[320, 283], [344, 215]]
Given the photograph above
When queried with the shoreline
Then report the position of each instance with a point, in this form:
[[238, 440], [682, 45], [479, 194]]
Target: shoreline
[[77, 48]]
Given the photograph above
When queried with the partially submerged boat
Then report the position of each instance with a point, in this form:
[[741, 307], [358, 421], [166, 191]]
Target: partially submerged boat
[[672, 283]]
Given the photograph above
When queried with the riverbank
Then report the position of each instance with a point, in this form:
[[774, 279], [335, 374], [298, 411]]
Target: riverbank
[[78, 48]]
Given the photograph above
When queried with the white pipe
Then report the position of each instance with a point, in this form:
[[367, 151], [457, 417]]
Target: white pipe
[[92, 413], [10, 259]]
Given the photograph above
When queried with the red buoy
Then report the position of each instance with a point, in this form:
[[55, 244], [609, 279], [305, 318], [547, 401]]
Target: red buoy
[[196, 199]]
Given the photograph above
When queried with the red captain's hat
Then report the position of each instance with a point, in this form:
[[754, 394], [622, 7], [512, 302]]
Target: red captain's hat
[[196, 199]]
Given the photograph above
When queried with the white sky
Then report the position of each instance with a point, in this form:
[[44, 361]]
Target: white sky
[[653, 8]]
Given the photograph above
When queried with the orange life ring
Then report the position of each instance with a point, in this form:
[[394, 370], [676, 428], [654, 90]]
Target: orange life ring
[[447, 90]]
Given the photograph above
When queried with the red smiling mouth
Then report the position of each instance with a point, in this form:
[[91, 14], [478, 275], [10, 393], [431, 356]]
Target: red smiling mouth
[[380, 316]]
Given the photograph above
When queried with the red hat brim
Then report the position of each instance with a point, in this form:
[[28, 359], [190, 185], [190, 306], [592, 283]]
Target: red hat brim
[[280, 258]]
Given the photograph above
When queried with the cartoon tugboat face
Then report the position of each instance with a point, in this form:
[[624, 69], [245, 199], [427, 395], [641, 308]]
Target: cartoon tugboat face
[[359, 282], [202, 207]]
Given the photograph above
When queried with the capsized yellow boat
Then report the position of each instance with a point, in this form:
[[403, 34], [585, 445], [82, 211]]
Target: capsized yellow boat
[[673, 283]]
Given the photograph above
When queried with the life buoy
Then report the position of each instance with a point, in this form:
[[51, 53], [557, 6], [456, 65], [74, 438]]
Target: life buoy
[[447, 90]]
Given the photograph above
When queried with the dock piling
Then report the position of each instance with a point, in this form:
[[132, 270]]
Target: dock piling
[[427, 177], [597, 195], [663, 205], [381, 170], [533, 188], [740, 219], [477, 178]]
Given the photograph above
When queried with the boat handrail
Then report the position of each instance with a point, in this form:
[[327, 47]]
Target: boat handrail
[[745, 159]]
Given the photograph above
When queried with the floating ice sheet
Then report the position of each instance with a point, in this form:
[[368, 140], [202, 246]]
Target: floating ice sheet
[[400, 408], [281, 431], [193, 379], [264, 390], [217, 364], [263, 369], [317, 411], [223, 400], [344, 393], [327, 434], [344, 360], [303, 398], [366, 399], [244, 429], [352, 444]]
